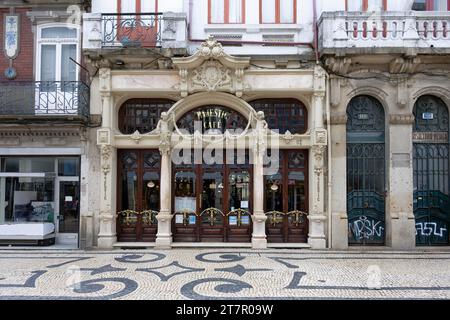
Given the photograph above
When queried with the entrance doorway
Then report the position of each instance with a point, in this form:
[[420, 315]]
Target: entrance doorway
[[212, 202], [138, 196], [431, 172], [366, 185], [286, 199]]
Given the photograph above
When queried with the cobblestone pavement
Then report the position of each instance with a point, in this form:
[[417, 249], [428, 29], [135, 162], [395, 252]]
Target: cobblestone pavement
[[223, 274]]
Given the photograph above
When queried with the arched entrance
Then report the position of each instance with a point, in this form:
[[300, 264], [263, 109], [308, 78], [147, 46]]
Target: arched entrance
[[431, 171], [212, 188], [366, 183]]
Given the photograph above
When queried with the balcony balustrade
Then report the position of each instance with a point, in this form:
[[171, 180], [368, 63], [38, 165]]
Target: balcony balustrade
[[134, 30], [44, 98], [358, 31]]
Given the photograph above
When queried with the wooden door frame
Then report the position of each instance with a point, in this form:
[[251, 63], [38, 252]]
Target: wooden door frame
[[284, 171], [140, 171]]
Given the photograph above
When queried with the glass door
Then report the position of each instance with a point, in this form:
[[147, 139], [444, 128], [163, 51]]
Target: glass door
[[69, 207]]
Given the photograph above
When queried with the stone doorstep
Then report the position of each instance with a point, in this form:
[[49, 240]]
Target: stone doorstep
[[136, 245]]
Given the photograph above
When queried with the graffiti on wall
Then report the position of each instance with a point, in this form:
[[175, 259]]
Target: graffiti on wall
[[365, 228]]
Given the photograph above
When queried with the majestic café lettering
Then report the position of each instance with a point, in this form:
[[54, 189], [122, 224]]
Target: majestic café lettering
[[212, 118]]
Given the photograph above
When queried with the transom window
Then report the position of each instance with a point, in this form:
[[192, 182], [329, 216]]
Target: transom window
[[226, 11], [283, 114], [142, 114], [366, 5], [278, 11]]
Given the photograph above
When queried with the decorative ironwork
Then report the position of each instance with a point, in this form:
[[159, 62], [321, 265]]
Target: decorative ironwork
[[283, 114], [141, 115], [297, 217], [274, 217], [132, 30], [239, 213], [26, 98], [128, 217], [149, 217], [431, 173], [365, 114], [211, 216], [366, 171], [431, 115]]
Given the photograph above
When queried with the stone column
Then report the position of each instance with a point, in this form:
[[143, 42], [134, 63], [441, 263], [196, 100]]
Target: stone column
[[400, 222], [317, 217], [164, 235], [259, 240], [108, 166], [338, 196], [107, 235]]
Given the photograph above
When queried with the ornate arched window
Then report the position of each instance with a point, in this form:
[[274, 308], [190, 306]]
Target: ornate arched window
[[283, 114], [212, 119], [142, 114]]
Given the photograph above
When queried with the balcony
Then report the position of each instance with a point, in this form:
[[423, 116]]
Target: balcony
[[41, 100], [127, 31], [384, 32]]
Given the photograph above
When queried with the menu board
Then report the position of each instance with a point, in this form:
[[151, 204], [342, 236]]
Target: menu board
[[183, 204]]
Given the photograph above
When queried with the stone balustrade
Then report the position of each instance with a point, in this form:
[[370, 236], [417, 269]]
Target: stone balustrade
[[358, 32]]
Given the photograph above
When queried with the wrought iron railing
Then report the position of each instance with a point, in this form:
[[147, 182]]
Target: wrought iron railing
[[36, 98], [131, 30]]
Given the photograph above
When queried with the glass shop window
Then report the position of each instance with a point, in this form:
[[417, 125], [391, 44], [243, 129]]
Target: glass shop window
[[26, 199]]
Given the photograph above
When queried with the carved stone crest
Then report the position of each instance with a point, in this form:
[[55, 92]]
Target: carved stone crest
[[211, 69], [211, 76]]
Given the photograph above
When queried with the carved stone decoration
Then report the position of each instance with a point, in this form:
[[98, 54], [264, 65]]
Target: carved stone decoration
[[407, 119], [320, 137], [404, 65], [105, 80], [106, 152], [211, 76], [338, 65], [211, 69], [136, 137], [318, 153]]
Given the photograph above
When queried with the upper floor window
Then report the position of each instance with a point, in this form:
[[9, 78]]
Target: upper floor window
[[283, 114], [57, 50], [431, 5], [142, 114], [278, 11], [137, 6], [366, 5], [226, 11]]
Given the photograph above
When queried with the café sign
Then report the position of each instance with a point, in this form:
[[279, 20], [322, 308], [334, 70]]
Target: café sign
[[212, 118]]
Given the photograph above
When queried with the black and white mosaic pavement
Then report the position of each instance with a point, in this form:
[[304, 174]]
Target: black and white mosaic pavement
[[223, 274]]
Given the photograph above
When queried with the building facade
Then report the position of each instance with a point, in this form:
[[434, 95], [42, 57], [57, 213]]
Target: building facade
[[250, 123], [44, 116]]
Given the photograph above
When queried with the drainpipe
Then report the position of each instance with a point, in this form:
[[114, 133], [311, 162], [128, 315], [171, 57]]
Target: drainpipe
[[330, 183], [316, 39]]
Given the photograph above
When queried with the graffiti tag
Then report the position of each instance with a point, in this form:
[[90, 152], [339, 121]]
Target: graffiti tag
[[365, 228], [428, 229]]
